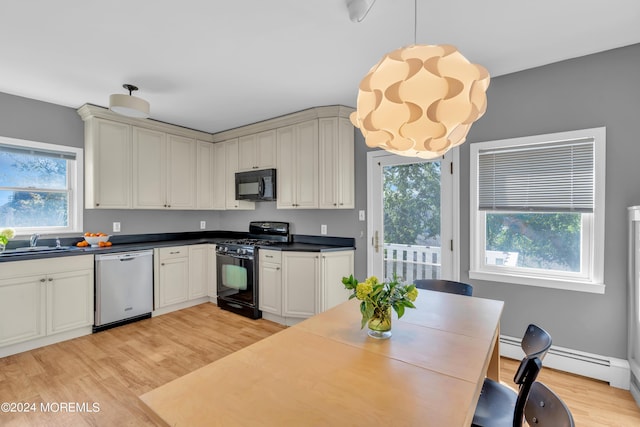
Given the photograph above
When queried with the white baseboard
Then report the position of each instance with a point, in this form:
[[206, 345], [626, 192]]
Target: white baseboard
[[179, 306], [44, 341], [610, 369]]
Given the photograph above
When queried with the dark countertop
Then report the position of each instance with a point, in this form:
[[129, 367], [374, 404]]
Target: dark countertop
[[125, 243]]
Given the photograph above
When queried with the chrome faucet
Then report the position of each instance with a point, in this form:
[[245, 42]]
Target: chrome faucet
[[33, 241]]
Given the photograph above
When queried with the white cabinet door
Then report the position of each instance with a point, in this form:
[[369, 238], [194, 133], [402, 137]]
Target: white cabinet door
[[211, 272], [69, 300], [297, 160], [257, 151], [266, 149], [307, 164], [198, 272], [205, 170], [219, 176], [300, 283], [22, 303], [336, 163], [286, 178], [149, 166], [173, 286], [107, 165], [181, 172], [231, 156], [334, 266], [270, 286]]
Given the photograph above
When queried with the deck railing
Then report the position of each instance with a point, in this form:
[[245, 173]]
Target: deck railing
[[411, 262]]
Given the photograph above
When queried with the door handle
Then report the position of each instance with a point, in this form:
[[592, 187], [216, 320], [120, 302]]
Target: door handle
[[375, 241]]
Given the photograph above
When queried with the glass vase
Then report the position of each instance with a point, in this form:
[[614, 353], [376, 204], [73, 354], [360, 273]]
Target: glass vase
[[380, 324]]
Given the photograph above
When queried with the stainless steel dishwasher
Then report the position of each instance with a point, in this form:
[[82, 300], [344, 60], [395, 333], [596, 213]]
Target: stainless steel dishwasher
[[124, 288]]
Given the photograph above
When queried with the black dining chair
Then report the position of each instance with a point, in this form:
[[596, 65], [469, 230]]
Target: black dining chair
[[535, 342], [497, 400], [545, 409], [448, 286], [501, 406]]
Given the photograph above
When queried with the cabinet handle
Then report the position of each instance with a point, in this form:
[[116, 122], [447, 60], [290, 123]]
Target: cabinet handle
[[50, 279], [268, 256], [173, 253], [162, 263], [97, 204], [43, 280], [277, 268]]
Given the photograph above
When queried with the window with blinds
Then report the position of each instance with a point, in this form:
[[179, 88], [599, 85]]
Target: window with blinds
[[557, 177], [39, 187], [537, 210]]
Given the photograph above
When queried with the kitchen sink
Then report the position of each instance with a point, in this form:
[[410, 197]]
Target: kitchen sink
[[37, 249]]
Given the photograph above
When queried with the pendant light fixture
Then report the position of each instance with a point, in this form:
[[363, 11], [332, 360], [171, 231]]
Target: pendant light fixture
[[128, 105], [420, 100]]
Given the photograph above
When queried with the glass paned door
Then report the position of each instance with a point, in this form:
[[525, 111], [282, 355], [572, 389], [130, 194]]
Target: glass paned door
[[410, 217]]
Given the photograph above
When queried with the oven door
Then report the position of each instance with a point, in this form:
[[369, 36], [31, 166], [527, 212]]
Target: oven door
[[235, 279]]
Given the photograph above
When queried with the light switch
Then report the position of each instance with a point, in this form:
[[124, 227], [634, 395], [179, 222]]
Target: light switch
[[323, 229], [361, 215], [116, 227]]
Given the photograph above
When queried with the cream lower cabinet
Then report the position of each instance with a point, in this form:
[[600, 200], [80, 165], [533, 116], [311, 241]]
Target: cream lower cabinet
[[198, 271], [300, 283], [297, 285], [181, 275], [172, 277], [41, 298], [270, 286], [212, 274]]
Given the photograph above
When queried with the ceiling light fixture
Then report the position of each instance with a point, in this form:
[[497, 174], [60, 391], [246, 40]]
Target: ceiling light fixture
[[358, 9], [420, 100], [128, 105]]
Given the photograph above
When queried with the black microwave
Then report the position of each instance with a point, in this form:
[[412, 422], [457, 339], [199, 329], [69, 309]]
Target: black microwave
[[256, 185]]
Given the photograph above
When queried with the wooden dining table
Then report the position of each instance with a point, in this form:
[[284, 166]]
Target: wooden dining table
[[326, 371]]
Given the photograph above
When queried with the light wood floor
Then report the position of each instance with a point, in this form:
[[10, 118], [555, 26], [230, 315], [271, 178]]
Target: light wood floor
[[112, 368]]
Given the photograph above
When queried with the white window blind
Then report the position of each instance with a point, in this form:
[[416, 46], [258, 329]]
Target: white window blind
[[549, 177], [37, 152]]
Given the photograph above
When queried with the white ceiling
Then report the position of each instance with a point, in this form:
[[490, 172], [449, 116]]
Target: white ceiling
[[214, 65]]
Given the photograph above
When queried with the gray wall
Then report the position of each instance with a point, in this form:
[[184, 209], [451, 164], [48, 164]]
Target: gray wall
[[596, 90], [591, 91]]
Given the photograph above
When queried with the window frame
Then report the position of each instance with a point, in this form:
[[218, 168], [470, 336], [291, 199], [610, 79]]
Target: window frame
[[591, 278], [75, 174]]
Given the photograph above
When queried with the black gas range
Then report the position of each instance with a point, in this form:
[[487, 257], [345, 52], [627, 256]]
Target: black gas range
[[237, 270]]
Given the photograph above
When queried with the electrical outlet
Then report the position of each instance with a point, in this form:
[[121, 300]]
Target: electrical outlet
[[203, 225], [361, 216], [323, 229], [116, 227]]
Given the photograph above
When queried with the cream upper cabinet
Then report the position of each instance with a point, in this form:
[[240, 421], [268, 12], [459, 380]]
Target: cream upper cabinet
[[181, 172], [297, 162], [165, 170], [107, 164], [337, 173], [149, 165], [205, 175], [257, 151], [219, 176], [231, 156]]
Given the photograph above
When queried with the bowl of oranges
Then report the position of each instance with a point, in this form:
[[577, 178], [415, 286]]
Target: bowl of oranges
[[96, 240]]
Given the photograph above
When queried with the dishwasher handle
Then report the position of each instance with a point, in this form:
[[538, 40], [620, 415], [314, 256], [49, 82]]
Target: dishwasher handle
[[124, 256]]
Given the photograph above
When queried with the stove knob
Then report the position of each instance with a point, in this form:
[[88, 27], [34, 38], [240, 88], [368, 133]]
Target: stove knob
[[239, 251]]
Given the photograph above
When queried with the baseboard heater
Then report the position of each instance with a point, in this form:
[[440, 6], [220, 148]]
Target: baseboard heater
[[610, 369]]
